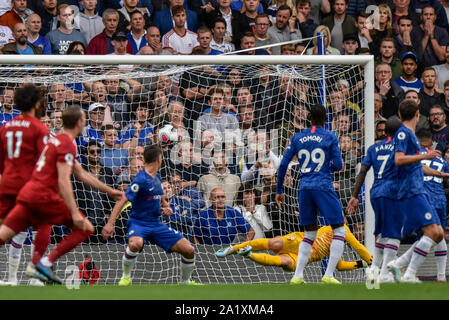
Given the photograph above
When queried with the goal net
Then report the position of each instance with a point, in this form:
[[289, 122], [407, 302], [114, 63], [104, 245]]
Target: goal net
[[223, 124]]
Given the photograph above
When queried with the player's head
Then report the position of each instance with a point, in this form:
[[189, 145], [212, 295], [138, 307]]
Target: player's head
[[392, 125], [425, 137], [27, 98], [408, 109], [317, 115], [74, 118], [152, 154]]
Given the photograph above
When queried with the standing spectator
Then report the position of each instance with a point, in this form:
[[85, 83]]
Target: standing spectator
[[219, 224], [129, 7], [7, 111], [248, 203], [218, 36], [428, 95], [423, 120], [56, 122], [387, 54], [404, 41], [442, 70], [140, 129], [18, 13], [408, 79], [380, 129], [261, 26], [92, 131], [438, 127], [179, 39], [433, 38], [187, 165], [153, 38], [59, 96], [90, 22], [34, 26], [102, 43], [49, 15], [61, 38], [164, 21], [390, 92], [21, 45], [229, 15], [137, 34], [204, 40], [402, 9], [246, 20], [284, 28], [362, 30], [248, 41], [339, 24], [112, 156], [304, 23], [419, 6], [381, 28], [350, 44]]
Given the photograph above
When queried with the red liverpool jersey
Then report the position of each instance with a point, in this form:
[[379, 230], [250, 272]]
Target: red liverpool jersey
[[21, 142]]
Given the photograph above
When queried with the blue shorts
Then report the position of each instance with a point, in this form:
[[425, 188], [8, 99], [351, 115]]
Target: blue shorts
[[326, 203], [418, 213], [157, 233], [388, 218], [440, 208]]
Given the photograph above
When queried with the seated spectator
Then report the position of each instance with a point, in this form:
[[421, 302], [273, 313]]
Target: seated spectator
[[283, 30], [362, 30], [140, 129], [153, 37], [59, 97], [98, 94], [378, 107], [390, 92], [300, 120], [220, 176], [179, 39], [219, 224], [21, 44], [428, 95], [163, 19], [248, 41], [261, 26], [18, 13], [303, 22], [342, 125], [188, 165], [177, 120], [248, 203], [112, 156], [92, 131], [56, 122], [95, 204], [65, 34], [387, 54], [327, 39], [45, 118], [76, 47], [135, 165], [404, 40], [438, 127], [383, 28], [402, 9], [137, 34], [288, 49], [90, 22], [204, 40], [408, 79], [380, 129], [223, 11], [219, 43], [441, 19], [187, 191], [7, 111], [34, 26], [48, 11], [5, 36], [423, 120], [350, 44], [126, 13], [338, 104], [442, 70]]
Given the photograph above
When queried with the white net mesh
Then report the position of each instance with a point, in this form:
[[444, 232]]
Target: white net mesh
[[261, 108]]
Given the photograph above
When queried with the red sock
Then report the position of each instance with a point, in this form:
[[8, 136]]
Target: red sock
[[68, 243], [41, 242]]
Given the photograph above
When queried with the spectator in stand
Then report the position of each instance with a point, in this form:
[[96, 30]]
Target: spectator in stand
[[164, 21], [246, 20], [34, 26], [137, 34], [21, 45], [49, 15], [5, 36], [387, 54], [404, 41], [338, 104], [428, 95], [7, 111], [18, 13], [128, 174], [188, 166], [185, 190], [90, 22], [402, 9], [380, 129], [102, 43], [327, 40], [219, 224], [304, 22], [179, 39], [408, 79], [339, 24], [60, 97], [261, 26], [442, 70], [350, 44], [224, 11], [5, 6], [423, 120], [445, 103], [390, 92], [153, 37], [56, 122], [362, 31], [441, 19], [92, 131], [218, 36], [432, 37], [382, 28], [140, 130], [66, 33], [177, 119], [248, 41], [273, 6], [112, 156], [95, 204], [438, 127], [283, 29], [129, 7], [204, 40], [378, 107]]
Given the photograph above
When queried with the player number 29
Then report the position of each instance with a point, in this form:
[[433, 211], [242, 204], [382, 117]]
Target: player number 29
[[317, 156], [14, 149]]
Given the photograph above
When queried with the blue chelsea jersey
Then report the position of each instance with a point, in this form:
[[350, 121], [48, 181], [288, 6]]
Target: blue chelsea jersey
[[410, 177], [145, 193], [434, 185], [380, 157], [319, 155]]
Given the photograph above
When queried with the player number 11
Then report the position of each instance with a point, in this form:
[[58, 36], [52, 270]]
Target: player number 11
[[14, 151]]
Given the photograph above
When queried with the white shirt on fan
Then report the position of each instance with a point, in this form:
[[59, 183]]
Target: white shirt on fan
[[5, 5], [181, 44], [260, 221]]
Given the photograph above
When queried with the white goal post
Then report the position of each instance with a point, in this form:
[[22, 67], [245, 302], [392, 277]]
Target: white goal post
[[304, 68]]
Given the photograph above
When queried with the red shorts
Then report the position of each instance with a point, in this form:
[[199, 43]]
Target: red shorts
[[7, 202]]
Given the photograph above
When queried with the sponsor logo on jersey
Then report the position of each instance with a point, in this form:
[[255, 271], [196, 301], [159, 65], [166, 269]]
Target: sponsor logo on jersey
[[401, 135], [428, 216]]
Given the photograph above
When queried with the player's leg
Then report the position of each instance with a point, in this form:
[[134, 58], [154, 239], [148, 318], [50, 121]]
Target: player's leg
[[441, 247], [14, 255], [135, 245], [372, 273], [256, 245], [35, 281], [187, 251], [275, 244]]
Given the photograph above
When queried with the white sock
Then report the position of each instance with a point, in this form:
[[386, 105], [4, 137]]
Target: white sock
[[336, 250], [187, 267], [15, 252], [304, 251], [420, 252], [441, 256], [46, 262], [378, 253], [128, 261], [404, 260], [390, 252]]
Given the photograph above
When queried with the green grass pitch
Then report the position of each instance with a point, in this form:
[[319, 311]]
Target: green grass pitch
[[423, 291]]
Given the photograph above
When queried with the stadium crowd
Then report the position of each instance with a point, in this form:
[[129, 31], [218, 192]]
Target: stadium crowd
[[409, 39]]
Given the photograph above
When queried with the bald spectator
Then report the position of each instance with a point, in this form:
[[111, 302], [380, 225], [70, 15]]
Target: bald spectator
[[90, 22], [153, 38], [18, 13], [21, 46], [34, 26]]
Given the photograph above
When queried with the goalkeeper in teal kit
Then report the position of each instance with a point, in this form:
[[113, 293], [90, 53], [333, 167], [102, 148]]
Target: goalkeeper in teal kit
[[148, 201], [319, 156]]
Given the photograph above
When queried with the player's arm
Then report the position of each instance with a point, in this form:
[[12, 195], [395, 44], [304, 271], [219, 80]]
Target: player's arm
[[288, 156], [250, 235], [108, 229], [165, 207], [402, 159], [336, 159], [92, 181], [428, 171], [357, 246], [353, 203]]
